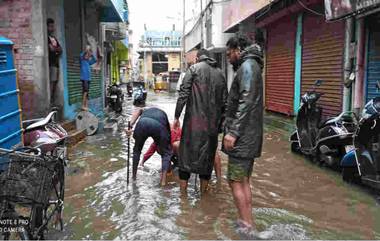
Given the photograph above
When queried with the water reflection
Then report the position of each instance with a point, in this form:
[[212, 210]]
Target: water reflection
[[292, 198]]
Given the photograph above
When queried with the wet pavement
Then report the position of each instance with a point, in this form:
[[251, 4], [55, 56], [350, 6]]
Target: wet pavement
[[292, 198]]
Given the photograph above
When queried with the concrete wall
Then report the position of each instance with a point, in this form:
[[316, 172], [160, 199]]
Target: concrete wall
[[149, 66], [219, 39], [23, 21]]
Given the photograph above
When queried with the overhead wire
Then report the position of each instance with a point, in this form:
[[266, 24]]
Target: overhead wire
[[309, 9]]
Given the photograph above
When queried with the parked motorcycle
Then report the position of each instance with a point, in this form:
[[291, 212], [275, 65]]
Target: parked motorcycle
[[129, 89], [115, 98], [322, 141], [139, 93], [363, 163]]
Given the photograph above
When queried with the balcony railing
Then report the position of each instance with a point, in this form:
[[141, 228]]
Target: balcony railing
[[163, 43]]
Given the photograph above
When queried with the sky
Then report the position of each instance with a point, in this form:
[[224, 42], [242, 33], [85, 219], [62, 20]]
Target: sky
[[156, 14]]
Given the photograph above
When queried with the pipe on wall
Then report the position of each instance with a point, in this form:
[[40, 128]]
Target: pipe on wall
[[349, 37], [360, 53]]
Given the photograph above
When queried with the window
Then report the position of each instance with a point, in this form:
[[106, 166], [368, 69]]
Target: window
[[167, 41]]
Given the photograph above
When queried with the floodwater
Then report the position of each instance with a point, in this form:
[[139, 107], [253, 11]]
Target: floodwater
[[292, 198]]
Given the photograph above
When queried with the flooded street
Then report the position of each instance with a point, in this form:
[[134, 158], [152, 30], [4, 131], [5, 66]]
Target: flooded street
[[292, 198]]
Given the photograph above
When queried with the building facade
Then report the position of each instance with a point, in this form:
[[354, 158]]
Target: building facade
[[160, 52], [204, 29], [300, 48], [77, 24]]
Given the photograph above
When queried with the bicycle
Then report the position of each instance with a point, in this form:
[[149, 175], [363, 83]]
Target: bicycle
[[32, 192]]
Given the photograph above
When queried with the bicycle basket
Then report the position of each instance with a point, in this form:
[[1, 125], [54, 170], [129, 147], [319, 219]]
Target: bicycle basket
[[25, 179]]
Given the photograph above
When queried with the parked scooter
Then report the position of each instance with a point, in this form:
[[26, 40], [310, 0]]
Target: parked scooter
[[115, 98], [363, 163], [46, 135], [139, 93], [322, 141]]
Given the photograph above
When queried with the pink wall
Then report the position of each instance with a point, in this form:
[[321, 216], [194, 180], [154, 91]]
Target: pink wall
[[239, 10]]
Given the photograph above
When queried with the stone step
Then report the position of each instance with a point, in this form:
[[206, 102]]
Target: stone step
[[75, 136], [68, 125]]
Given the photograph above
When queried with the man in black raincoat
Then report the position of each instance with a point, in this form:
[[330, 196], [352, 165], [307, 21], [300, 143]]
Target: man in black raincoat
[[204, 92], [244, 122]]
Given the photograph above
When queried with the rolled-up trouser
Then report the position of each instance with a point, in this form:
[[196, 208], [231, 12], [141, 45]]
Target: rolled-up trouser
[[148, 127], [239, 168]]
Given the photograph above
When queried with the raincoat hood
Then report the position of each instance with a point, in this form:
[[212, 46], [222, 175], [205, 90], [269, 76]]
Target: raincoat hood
[[212, 62], [253, 51]]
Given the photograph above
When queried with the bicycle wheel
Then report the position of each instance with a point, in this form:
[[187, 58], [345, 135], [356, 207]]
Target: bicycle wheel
[[61, 194]]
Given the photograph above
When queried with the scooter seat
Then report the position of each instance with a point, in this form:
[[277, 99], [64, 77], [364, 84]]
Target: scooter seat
[[332, 120], [41, 122], [329, 121]]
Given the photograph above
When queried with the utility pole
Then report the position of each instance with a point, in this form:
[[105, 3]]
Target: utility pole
[[183, 65], [145, 67], [201, 24], [145, 62]]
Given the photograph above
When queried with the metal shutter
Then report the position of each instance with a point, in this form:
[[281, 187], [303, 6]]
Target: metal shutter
[[75, 85], [322, 58], [373, 64], [279, 83]]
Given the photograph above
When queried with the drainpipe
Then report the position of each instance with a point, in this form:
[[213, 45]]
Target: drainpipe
[[82, 25], [347, 64], [358, 98]]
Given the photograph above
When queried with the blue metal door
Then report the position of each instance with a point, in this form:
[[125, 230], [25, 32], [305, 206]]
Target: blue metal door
[[373, 58], [10, 118]]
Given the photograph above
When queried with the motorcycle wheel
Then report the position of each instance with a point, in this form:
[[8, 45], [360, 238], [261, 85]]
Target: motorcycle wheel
[[350, 175], [118, 107], [295, 147]]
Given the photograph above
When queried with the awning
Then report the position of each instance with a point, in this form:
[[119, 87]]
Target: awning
[[113, 11], [193, 38], [239, 10]]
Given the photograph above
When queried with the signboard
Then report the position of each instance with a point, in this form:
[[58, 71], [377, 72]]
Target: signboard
[[336, 9]]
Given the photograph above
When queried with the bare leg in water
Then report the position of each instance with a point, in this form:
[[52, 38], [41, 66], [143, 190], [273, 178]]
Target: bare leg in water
[[218, 167], [241, 191]]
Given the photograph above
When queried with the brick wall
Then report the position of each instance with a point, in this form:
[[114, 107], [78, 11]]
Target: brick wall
[[16, 24]]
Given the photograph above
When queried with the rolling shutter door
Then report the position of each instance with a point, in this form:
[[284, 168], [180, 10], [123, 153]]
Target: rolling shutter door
[[322, 58], [75, 85], [279, 83], [373, 64]]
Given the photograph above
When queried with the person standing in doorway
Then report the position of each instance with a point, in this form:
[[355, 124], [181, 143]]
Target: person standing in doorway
[[204, 92], [244, 122], [87, 58], [55, 52]]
